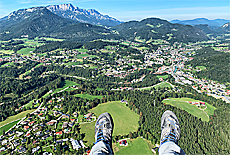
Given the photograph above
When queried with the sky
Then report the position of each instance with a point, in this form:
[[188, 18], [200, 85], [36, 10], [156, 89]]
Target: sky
[[126, 10]]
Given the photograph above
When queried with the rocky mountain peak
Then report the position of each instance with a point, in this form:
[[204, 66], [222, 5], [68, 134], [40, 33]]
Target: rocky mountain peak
[[61, 7], [91, 16]]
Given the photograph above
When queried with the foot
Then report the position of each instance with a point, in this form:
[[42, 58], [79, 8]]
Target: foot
[[104, 128], [170, 127]]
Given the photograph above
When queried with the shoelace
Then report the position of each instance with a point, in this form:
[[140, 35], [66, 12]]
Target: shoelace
[[100, 136], [172, 135]]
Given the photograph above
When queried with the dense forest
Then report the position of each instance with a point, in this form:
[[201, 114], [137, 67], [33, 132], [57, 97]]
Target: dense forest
[[216, 63], [196, 135]]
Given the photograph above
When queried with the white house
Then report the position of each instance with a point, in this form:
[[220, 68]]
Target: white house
[[75, 144]]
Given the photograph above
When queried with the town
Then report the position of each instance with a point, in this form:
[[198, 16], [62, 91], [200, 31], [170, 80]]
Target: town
[[50, 125]]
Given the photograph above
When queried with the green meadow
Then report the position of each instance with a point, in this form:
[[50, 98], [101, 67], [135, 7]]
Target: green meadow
[[87, 96], [182, 103], [125, 120], [25, 51], [163, 85], [136, 146], [16, 117], [163, 76], [64, 85], [8, 126]]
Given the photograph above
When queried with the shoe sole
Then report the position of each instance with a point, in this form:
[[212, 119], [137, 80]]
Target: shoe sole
[[169, 113], [108, 116]]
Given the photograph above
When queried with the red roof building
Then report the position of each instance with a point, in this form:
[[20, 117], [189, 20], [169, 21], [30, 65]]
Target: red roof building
[[72, 120], [202, 103], [123, 142], [27, 135], [59, 133], [26, 127], [31, 123], [40, 114]]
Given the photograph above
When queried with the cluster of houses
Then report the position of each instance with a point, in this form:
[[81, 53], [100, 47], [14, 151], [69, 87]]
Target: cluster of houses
[[209, 87], [39, 127], [197, 103]]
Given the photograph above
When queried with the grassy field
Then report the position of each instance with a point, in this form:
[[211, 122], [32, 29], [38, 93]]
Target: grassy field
[[163, 76], [87, 96], [137, 146], [15, 117], [80, 56], [149, 69], [8, 126], [53, 39], [8, 64], [143, 48], [25, 51], [64, 85], [99, 89], [160, 85], [7, 51], [163, 85], [82, 50], [38, 65], [74, 63], [88, 129], [29, 104], [210, 109], [192, 109], [124, 119], [201, 67]]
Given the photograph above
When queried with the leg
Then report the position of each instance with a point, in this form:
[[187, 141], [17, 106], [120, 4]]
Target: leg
[[170, 134], [103, 135]]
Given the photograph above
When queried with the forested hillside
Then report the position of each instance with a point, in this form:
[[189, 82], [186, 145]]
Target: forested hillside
[[154, 28], [216, 63], [196, 135]]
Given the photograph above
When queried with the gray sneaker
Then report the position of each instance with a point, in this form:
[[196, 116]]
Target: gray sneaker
[[170, 127], [104, 128]]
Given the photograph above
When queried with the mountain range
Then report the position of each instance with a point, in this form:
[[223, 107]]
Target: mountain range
[[69, 22], [91, 16], [39, 21], [155, 28], [216, 23]]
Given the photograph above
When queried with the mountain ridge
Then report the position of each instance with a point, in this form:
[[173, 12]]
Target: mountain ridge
[[197, 21], [40, 22], [155, 28], [91, 16]]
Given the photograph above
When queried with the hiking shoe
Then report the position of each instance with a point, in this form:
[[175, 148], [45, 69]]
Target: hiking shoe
[[104, 128], [170, 127]]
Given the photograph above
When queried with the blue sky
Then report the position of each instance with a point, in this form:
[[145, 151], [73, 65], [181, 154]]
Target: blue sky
[[126, 10]]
